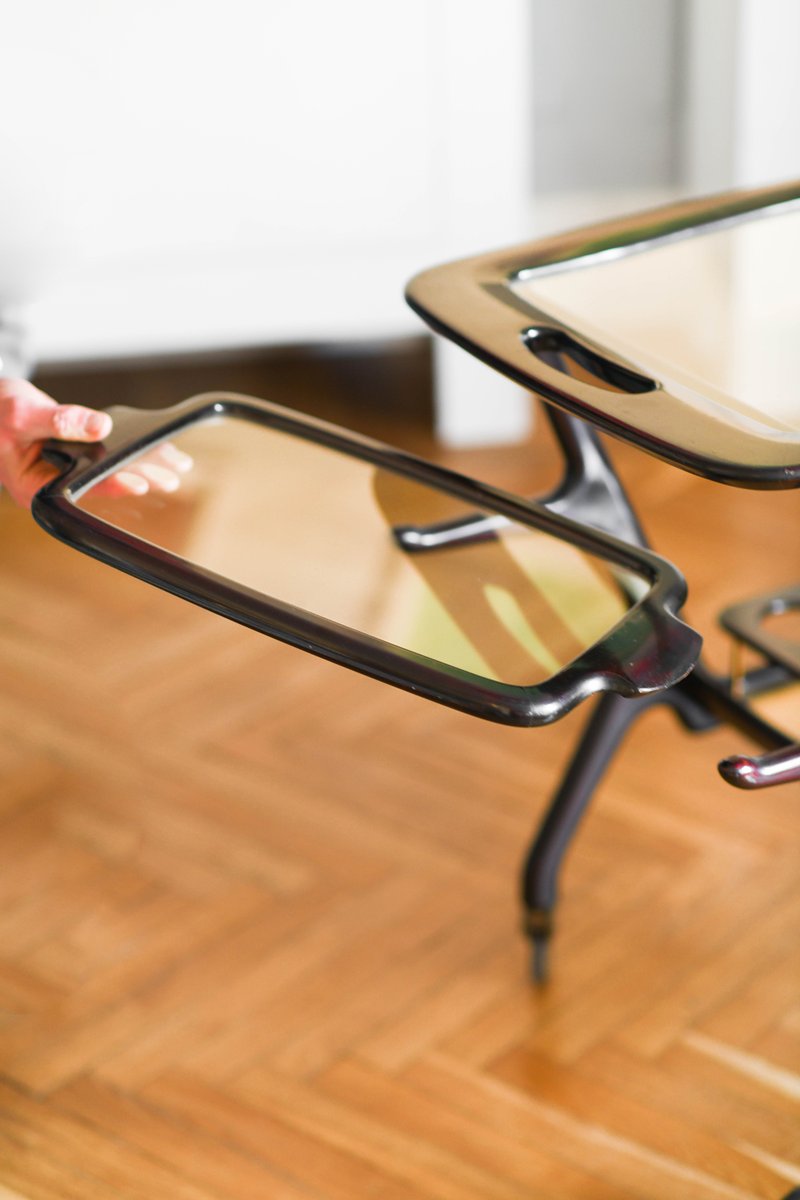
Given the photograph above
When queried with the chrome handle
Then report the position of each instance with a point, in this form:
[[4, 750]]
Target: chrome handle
[[765, 770]]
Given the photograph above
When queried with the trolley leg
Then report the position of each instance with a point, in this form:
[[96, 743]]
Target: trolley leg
[[598, 743]]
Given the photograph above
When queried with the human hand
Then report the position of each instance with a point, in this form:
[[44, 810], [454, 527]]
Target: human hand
[[29, 417]]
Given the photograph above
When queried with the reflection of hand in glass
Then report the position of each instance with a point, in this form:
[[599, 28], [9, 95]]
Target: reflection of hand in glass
[[158, 471], [29, 418]]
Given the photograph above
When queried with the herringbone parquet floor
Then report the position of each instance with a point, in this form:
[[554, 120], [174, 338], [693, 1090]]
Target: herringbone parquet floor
[[258, 925]]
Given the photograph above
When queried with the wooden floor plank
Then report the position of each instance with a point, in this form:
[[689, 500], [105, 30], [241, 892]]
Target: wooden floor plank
[[588, 1135], [404, 1138], [641, 1122], [258, 916]]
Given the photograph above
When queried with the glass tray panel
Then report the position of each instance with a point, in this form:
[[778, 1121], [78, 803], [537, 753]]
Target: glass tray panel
[[311, 527]]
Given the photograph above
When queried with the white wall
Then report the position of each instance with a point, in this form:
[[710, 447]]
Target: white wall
[[742, 114], [606, 84], [182, 173], [768, 92], [664, 95]]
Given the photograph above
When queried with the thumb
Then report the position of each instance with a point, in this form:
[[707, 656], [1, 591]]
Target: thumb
[[29, 415], [72, 423]]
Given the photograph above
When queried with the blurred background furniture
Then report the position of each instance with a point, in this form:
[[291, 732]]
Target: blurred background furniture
[[183, 180], [176, 184]]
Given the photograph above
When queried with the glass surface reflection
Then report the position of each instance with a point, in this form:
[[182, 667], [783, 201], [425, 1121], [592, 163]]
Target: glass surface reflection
[[718, 311], [313, 527]]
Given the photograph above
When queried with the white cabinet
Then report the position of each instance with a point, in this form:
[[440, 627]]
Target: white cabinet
[[183, 175]]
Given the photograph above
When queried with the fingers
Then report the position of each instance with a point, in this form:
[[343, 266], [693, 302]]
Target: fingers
[[158, 471], [123, 483], [74, 423], [173, 458], [138, 480], [28, 415], [24, 485]]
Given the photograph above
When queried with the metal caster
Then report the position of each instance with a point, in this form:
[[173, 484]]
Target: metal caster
[[539, 930]]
